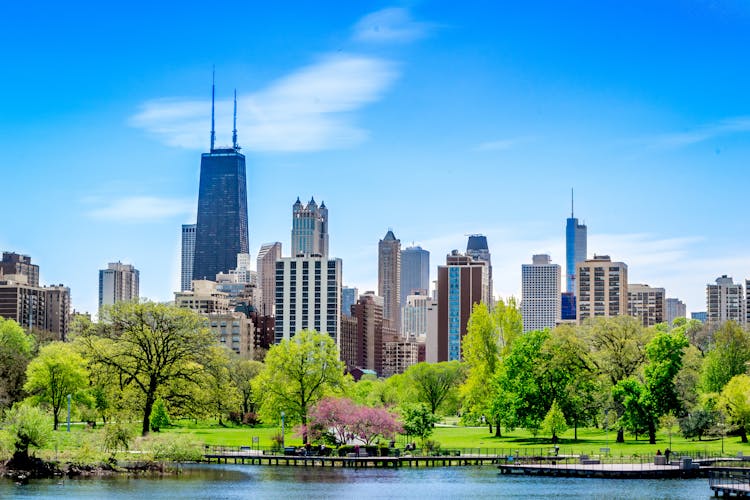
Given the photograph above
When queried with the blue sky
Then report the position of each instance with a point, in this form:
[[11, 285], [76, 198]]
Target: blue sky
[[425, 117]]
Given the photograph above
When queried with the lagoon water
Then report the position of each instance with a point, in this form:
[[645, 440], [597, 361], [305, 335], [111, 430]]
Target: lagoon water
[[245, 481]]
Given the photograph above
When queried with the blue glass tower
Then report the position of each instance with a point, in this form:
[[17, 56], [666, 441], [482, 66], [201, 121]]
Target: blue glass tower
[[221, 230], [415, 271], [575, 248]]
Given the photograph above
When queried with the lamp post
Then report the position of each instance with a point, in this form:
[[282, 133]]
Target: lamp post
[[282, 430], [69, 396], [606, 428]]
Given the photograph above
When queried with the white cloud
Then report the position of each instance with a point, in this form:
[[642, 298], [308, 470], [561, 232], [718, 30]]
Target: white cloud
[[389, 25], [501, 144], [677, 140], [310, 109], [141, 209]]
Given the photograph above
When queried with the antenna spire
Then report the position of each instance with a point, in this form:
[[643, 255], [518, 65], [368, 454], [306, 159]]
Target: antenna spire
[[571, 203], [234, 131], [213, 98]]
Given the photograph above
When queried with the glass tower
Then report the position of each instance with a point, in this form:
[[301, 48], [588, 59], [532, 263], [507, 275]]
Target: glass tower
[[575, 249], [415, 271]]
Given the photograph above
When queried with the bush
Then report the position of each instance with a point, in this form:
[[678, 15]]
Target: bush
[[159, 416], [239, 418], [28, 427], [117, 436], [176, 449]]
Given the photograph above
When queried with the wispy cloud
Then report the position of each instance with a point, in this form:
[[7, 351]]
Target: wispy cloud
[[501, 144], [311, 109], [389, 25], [703, 133], [141, 209]]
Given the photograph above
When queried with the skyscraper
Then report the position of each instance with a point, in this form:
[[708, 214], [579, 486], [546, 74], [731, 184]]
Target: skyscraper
[[601, 288], [309, 229], [221, 230], [17, 264], [389, 278], [461, 284], [647, 303], [675, 309], [415, 272], [575, 248], [477, 249], [349, 297], [188, 254], [266, 265], [540, 294], [118, 283], [724, 301]]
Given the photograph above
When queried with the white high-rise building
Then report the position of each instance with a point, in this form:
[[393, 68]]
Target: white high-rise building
[[308, 296], [266, 264], [725, 302], [188, 254], [414, 317], [118, 283], [540, 294]]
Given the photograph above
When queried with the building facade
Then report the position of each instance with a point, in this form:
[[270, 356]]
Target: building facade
[[575, 249], [118, 283], [365, 333], [204, 297], [700, 316], [389, 278], [647, 303], [675, 309], [349, 297], [19, 265], [415, 272], [266, 266], [540, 294], [478, 249], [308, 296], [725, 301], [601, 288], [462, 282], [414, 317], [188, 254], [309, 229], [34, 307]]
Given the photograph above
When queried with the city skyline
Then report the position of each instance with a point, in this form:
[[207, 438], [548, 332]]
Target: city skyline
[[645, 116]]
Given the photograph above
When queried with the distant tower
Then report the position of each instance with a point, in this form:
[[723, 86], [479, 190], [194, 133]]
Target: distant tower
[[602, 288], [266, 265], [540, 294], [188, 255], [118, 283], [477, 249], [221, 230], [575, 248], [389, 278], [415, 272], [309, 229], [724, 301]]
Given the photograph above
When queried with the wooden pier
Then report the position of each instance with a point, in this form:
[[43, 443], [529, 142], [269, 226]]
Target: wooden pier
[[730, 482], [610, 471]]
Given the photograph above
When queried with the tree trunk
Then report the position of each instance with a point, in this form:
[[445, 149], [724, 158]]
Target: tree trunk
[[575, 429], [651, 432], [150, 399], [620, 435], [55, 420], [498, 433], [743, 434]]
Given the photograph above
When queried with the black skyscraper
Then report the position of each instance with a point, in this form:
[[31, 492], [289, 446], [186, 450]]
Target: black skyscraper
[[221, 231]]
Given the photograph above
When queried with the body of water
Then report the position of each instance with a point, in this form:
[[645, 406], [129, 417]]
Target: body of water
[[238, 481]]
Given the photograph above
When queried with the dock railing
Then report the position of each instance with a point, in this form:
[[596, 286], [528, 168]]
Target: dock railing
[[729, 480]]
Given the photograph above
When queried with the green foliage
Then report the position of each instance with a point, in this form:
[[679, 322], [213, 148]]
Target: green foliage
[[297, 374], [57, 371], [117, 436], [159, 416], [729, 356], [218, 389], [418, 420], [243, 372], [435, 384], [698, 423], [735, 401], [554, 422], [148, 347], [16, 348], [175, 449], [28, 427]]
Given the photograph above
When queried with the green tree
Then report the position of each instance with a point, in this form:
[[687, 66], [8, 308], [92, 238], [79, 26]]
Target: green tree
[[159, 417], [243, 373], [218, 387], [29, 428], [735, 402], [297, 373], [149, 346], [728, 356], [418, 420], [435, 383], [16, 348], [554, 422], [57, 371]]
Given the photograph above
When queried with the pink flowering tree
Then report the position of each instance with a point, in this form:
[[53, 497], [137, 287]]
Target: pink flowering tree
[[370, 423]]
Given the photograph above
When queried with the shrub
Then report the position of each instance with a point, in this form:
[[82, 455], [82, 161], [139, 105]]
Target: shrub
[[28, 427], [117, 436], [176, 449], [159, 416]]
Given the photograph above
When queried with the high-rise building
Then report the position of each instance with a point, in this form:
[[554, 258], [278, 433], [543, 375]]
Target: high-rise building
[[398, 355], [118, 283], [415, 272], [646, 303], [221, 231], [309, 229], [747, 303], [700, 316], [540, 294], [364, 335], [308, 296], [204, 297], [724, 301], [389, 278], [266, 265], [601, 288], [17, 264], [568, 310], [414, 314], [188, 254], [462, 282], [349, 297], [477, 249], [575, 248], [35, 307], [675, 309]]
